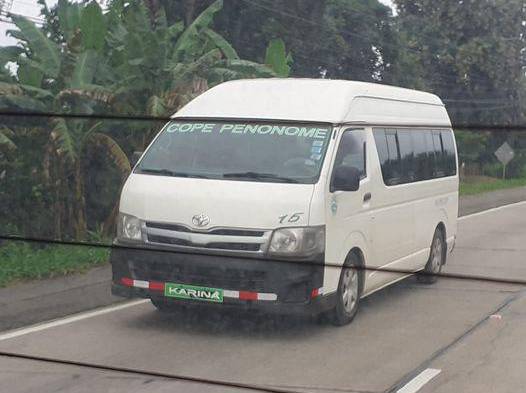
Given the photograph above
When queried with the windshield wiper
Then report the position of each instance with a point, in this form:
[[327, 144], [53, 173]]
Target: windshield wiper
[[257, 175], [168, 172]]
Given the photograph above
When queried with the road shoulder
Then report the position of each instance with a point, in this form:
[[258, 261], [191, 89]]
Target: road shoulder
[[36, 301]]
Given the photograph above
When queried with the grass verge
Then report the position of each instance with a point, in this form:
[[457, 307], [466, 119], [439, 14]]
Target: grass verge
[[472, 187], [21, 261]]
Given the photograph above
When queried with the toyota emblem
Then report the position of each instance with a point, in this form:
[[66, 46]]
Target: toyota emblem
[[201, 220]]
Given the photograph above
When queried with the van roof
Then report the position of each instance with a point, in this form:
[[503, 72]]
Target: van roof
[[318, 100]]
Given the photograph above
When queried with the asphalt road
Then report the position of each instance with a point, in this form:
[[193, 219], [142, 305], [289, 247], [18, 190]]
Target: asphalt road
[[454, 336]]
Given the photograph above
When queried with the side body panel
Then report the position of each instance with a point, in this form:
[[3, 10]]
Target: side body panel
[[347, 217], [393, 230]]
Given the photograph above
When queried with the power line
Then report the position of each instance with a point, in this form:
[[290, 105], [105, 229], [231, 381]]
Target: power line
[[348, 33], [34, 114], [302, 55], [456, 276], [34, 19], [344, 32], [5, 5], [157, 374]]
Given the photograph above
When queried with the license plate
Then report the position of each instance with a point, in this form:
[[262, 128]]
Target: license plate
[[191, 292]]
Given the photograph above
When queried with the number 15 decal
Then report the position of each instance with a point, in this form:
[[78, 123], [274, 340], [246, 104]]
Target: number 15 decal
[[290, 218]]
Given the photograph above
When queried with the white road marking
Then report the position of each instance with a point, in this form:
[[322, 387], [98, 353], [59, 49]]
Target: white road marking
[[491, 210], [420, 380], [70, 319]]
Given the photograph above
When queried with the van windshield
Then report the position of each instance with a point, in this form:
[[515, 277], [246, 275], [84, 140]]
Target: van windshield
[[288, 153]]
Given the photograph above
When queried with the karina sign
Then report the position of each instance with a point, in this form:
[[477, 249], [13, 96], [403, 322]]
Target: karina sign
[[190, 292]]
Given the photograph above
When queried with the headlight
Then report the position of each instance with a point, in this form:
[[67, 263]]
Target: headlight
[[129, 227], [298, 242]]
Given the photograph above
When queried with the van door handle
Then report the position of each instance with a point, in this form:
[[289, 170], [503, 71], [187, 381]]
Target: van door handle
[[367, 197]]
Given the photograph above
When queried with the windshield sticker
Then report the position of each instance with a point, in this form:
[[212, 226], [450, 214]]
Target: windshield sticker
[[250, 129], [317, 143], [315, 157]]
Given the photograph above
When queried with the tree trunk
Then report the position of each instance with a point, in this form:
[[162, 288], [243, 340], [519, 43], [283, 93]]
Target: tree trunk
[[79, 205], [56, 181], [189, 11]]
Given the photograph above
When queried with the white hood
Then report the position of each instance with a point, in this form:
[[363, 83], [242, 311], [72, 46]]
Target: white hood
[[243, 204]]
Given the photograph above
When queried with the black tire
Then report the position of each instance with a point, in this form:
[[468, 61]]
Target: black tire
[[348, 294], [437, 259]]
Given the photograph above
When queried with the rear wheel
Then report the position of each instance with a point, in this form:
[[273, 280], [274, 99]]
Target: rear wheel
[[348, 294], [437, 258]]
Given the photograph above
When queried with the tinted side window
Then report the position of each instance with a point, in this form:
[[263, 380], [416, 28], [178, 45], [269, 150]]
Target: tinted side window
[[405, 142], [352, 151], [423, 157], [407, 156], [389, 154], [449, 153], [440, 157], [381, 147]]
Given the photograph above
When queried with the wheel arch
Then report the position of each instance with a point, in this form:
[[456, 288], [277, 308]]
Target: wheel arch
[[355, 242], [360, 257], [442, 228]]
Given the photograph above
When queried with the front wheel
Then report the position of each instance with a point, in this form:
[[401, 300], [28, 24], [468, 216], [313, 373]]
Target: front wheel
[[437, 258], [348, 294]]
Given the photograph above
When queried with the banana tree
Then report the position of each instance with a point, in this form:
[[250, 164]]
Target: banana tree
[[63, 78], [160, 67], [125, 60]]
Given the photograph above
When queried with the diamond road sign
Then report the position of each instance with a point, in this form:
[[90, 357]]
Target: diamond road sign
[[505, 153]]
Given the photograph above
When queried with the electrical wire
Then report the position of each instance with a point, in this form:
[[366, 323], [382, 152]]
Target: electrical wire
[[309, 56], [127, 370], [101, 116], [456, 276]]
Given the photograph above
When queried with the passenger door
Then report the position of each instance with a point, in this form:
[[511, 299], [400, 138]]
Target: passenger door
[[347, 212], [393, 228]]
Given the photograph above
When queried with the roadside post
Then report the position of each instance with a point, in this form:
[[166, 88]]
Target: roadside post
[[504, 154]]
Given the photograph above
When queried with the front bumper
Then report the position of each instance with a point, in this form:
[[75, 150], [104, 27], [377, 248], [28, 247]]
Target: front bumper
[[247, 283]]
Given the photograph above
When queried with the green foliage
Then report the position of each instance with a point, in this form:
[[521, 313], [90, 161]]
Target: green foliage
[[218, 41], [152, 57], [45, 51], [85, 68], [20, 261], [92, 26], [69, 15], [470, 53], [164, 66], [29, 75], [490, 184], [277, 58], [6, 136], [65, 140], [9, 53], [191, 35], [128, 59], [471, 145]]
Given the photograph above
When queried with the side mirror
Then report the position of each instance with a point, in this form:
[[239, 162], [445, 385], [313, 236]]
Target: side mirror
[[345, 178], [135, 158]]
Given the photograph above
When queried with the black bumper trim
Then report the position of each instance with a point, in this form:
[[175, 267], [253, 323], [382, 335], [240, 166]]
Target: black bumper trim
[[313, 307], [292, 282]]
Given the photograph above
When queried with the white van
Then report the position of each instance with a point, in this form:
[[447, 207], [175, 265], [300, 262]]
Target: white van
[[289, 195]]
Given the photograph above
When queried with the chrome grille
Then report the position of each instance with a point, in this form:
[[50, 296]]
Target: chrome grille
[[220, 239]]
